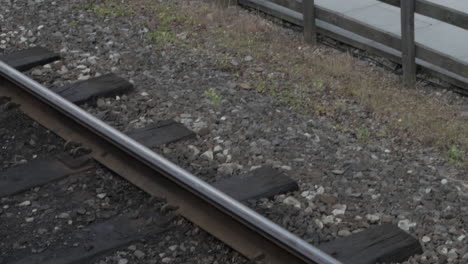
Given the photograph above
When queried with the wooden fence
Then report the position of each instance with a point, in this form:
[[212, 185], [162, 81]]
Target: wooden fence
[[306, 14]]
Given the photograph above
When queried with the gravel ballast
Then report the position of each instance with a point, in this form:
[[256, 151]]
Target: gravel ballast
[[346, 185]]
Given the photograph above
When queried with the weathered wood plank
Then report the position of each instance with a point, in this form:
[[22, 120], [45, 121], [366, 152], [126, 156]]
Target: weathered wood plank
[[408, 51], [436, 11], [291, 15], [382, 244], [357, 27], [274, 9], [39, 172], [264, 182], [24, 60], [367, 31], [291, 4], [105, 85], [164, 132], [310, 31], [97, 240]]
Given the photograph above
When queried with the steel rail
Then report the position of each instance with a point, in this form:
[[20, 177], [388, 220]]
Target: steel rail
[[246, 231]]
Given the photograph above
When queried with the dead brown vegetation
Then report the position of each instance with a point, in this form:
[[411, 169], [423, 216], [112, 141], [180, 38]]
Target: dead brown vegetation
[[320, 81]]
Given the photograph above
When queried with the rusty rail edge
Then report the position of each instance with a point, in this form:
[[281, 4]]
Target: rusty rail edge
[[244, 230]]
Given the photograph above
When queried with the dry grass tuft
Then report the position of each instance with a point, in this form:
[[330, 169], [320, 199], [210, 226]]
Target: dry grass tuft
[[319, 81]]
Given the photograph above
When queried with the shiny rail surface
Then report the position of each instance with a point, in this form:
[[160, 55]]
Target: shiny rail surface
[[278, 245]]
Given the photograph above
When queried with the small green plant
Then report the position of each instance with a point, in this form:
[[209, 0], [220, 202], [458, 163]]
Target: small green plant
[[363, 134], [162, 37], [110, 10], [215, 98], [342, 129], [165, 19], [455, 155], [74, 23], [319, 85], [264, 87], [260, 87], [164, 33], [339, 106]]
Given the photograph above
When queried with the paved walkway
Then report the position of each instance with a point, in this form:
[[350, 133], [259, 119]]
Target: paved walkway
[[438, 35]]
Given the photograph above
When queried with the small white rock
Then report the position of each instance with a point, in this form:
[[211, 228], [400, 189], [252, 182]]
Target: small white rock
[[132, 247], [173, 247], [217, 148], [340, 209], [328, 219], [319, 223], [444, 181], [82, 77], [36, 72], [63, 70], [320, 190], [255, 167], [29, 219], [452, 254], [101, 195], [139, 254], [344, 233], [373, 218], [208, 155], [63, 216], [25, 203], [123, 261], [425, 239], [292, 201], [406, 224], [338, 172], [194, 149]]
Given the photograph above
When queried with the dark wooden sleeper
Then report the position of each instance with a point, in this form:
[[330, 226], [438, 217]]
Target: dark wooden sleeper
[[98, 239], [27, 59], [264, 182], [381, 244], [105, 85], [39, 172], [163, 132]]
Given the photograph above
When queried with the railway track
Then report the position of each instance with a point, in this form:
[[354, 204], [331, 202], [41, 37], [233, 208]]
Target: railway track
[[217, 208]]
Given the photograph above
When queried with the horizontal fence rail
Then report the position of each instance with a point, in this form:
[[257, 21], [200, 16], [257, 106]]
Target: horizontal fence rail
[[292, 11], [436, 11]]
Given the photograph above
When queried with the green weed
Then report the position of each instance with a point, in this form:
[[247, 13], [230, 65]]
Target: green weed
[[214, 96], [455, 155]]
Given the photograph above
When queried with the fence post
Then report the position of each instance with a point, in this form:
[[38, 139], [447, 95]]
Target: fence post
[[310, 31], [408, 50]]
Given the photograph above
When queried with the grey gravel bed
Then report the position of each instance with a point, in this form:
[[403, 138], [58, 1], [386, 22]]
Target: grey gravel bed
[[45, 217], [345, 185]]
